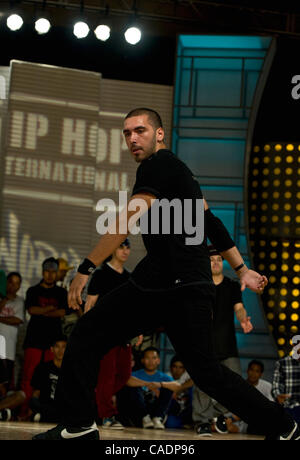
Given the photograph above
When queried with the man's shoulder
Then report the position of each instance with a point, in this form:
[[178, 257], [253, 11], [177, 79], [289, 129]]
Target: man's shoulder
[[230, 281], [287, 361], [37, 288], [138, 373], [264, 383], [59, 290]]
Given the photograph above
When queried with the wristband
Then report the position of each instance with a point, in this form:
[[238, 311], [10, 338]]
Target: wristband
[[86, 267], [239, 267]]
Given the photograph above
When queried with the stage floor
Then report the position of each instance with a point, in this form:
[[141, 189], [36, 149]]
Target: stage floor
[[25, 431]]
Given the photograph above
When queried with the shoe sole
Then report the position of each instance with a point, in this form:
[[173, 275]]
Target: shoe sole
[[219, 431], [94, 436], [208, 435]]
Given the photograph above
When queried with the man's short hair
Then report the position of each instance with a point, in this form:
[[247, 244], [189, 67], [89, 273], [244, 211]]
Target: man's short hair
[[255, 362], [150, 349], [59, 338], [154, 117], [175, 359], [14, 274]]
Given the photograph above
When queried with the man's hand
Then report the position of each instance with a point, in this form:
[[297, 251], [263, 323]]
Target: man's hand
[[253, 281], [246, 325], [139, 341], [281, 398], [90, 302], [74, 295]]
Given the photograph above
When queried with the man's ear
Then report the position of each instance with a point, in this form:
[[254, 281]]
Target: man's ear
[[160, 135]]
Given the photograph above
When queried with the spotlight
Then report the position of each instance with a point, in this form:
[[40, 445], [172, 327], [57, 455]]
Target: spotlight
[[42, 26], [133, 35], [81, 29], [14, 22], [102, 32]]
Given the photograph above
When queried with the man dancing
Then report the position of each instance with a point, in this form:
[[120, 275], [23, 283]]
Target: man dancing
[[173, 277]]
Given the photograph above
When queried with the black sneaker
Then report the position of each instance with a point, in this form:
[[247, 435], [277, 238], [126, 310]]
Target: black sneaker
[[61, 432], [293, 435], [220, 425], [203, 429]]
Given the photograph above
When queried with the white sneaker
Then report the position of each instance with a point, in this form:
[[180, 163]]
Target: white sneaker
[[5, 415], [147, 422], [158, 423], [37, 417], [112, 423]]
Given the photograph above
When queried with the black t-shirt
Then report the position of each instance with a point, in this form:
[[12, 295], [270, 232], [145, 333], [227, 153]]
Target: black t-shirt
[[105, 279], [45, 378], [170, 262], [42, 330], [228, 293]]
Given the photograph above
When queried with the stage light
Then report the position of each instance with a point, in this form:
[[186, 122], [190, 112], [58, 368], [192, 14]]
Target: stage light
[[102, 32], [42, 26], [133, 35], [14, 22], [81, 29]]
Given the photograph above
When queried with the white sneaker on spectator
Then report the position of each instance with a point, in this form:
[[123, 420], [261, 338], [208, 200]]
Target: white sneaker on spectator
[[5, 415], [112, 423], [37, 417], [147, 422], [158, 423]]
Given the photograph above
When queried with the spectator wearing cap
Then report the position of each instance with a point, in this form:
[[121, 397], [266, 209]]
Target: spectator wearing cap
[[115, 366], [228, 303], [47, 304], [63, 269]]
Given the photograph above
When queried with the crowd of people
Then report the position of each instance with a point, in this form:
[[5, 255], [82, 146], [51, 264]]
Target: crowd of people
[[131, 388]]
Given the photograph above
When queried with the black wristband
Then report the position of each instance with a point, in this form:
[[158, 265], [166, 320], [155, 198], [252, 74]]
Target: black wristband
[[86, 267], [239, 267]]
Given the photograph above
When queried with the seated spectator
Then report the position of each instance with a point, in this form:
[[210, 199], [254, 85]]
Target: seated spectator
[[146, 398], [9, 400], [47, 304], [286, 385], [44, 382], [180, 410], [11, 316], [254, 373]]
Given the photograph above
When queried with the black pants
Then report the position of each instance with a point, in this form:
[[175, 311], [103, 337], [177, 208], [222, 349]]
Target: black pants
[[186, 314], [48, 410], [135, 403]]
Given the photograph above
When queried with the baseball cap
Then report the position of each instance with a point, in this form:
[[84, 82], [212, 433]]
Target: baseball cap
[[63, 264], [126, 243], [50, 264], [213, 251]]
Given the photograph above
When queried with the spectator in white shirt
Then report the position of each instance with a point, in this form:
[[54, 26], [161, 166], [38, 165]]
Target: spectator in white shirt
[[254, 373]]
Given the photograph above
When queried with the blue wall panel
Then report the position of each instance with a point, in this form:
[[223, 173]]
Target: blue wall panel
[[216, 83]]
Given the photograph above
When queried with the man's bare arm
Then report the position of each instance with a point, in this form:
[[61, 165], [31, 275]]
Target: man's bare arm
[[109, 242]]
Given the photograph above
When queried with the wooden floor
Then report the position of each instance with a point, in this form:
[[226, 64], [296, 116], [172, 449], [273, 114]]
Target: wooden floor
[[25, 430]]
